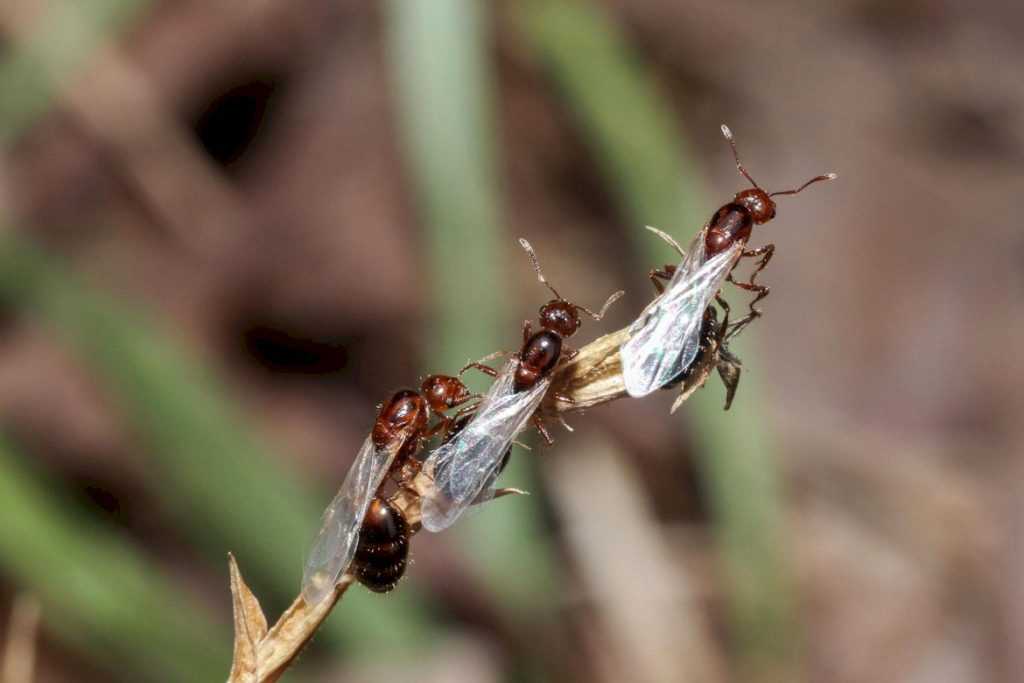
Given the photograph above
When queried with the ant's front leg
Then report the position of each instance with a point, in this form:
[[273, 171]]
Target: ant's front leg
[[479, 364], [656, 276], [750, 285], [486, 369]]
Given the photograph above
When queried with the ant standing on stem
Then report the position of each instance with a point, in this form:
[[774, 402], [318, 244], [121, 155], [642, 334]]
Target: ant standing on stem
[[361, 531], [543, 350], [732, 224], [665, 339]]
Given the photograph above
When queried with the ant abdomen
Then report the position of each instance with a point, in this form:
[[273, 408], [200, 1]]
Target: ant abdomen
[[383, 551]]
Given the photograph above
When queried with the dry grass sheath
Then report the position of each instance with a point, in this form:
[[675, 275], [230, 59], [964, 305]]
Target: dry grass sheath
[[261, 653]]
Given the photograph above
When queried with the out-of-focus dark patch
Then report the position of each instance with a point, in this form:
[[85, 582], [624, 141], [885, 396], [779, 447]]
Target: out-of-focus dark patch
[[899, 25], [104, 500], [966, 130], [283, 351], [235, 117], [8, 316]]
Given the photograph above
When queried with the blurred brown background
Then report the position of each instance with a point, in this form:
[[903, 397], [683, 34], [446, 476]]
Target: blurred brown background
[[231, 228]]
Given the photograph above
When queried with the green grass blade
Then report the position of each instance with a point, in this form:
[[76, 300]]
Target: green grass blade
[[212, 472], [98, 593], [444, 81], [634, 134], [29, 77]]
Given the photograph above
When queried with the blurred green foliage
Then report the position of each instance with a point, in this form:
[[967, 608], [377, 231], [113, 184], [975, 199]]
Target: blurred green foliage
[[98, 592]]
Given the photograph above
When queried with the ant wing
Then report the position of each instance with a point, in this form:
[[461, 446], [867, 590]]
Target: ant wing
[[665, 339], [467, 465], [335, 545]]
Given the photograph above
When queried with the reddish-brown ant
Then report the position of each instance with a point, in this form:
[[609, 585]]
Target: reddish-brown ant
[[408, 413], [543, 350], [733, 223]]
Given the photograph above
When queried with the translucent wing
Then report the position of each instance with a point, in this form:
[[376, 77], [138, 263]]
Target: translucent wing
[[335, 545], [468, 464], [665, 339]]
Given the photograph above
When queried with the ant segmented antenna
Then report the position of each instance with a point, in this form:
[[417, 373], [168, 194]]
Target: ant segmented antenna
[[736, 155], [668, 238], [815, 179], [536, 266], [604, 309]]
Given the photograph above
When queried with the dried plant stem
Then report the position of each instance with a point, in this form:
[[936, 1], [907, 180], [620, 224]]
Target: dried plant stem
[[20, 652]]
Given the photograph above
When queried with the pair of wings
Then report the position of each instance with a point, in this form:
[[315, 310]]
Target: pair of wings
[[335, 544], [463, 470], [665, 339]]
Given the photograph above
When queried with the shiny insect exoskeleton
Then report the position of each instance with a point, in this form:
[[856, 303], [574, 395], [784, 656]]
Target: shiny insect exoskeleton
[[542, 351], [389, 452], [383, 551], [409, 409], [666, 338], [733, 224]]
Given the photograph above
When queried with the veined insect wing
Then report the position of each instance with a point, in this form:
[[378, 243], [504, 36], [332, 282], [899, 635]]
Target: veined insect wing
[[468, 464], [665, 339], [335, 544]]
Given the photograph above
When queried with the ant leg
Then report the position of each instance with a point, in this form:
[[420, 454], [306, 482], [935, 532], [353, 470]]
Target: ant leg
[[527, 331], [724, 305], [750, 285], [463, 412], [486, 369], [559, 396], [656, 275], [568, 353], [539, 424], [479, 364]]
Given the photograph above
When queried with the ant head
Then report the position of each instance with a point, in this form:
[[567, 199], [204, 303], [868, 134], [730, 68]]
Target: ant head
[[443, 392], [560, 316], [758, 202]]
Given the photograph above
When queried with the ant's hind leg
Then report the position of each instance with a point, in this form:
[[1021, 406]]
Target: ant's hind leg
[[539, 424], [726, 310]]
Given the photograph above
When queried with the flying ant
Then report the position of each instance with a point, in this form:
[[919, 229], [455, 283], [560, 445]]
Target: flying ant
[[543, 350], [664, 340]]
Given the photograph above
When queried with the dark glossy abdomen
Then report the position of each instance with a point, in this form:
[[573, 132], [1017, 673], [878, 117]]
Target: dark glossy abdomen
[[383, 550]]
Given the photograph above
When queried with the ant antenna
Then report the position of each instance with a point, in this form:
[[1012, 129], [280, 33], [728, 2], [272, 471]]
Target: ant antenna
[[736, 155], [536, 266], [604, 309], [668, 238], [815, 179]]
